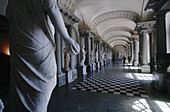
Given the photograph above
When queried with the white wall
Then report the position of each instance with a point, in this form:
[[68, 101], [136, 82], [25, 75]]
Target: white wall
[[3, 5], [168, 31]]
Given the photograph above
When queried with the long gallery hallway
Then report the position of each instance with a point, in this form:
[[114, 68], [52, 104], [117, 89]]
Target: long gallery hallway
[[115, 88]]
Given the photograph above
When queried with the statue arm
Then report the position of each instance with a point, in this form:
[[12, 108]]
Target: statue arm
[[58, 22]]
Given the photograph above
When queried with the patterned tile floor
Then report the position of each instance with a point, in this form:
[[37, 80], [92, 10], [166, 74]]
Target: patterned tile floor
[[112, 84], [115, 88]]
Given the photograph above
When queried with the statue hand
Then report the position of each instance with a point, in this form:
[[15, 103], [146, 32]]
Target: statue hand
[[72, 47]]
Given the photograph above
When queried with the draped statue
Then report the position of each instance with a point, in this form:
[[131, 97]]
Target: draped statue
[[97, 55], [92, 56], [66, 60], [83, 56], [33, 65]]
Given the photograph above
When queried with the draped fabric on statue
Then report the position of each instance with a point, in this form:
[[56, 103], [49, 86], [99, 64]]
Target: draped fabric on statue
[[33, 65]]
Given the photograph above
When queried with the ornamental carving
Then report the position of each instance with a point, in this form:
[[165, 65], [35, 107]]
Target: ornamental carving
[[70, 4], [114, 15], [117, 29]]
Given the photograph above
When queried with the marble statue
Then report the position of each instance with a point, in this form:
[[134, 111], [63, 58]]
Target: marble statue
[[103, 55], [33, 65], [92, 57], [67, 60], [97, 55], [83, 56]]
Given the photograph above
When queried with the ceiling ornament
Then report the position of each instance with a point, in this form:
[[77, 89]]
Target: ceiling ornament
[[114, 36], [117, 38], [114, 15], [117, 29], [70, 4]]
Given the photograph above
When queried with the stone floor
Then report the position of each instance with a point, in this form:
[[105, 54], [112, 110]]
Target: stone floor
[[115, 88]]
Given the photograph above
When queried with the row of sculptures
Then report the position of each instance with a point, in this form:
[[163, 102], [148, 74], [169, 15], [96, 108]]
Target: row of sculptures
[[104, 56]]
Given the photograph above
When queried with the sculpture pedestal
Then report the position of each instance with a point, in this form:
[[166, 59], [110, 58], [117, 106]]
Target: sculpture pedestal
[[74, 74], [61, 79], [162, 81], [145, 68], [82, 70], [89, 68], [98, 65], [94, 66], [105, 63], [69, 77]]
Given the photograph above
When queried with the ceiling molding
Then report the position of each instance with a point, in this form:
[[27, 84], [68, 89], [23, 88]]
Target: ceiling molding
[[114, 36], [118, 38], [71, 5], [114, 15], [117, 29]]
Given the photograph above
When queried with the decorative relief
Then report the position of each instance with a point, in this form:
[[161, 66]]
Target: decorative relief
[[117, 29], [70, 4], [114, 15]]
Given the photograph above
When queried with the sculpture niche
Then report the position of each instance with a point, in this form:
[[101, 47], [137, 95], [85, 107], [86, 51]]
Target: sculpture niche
[[32, 47]]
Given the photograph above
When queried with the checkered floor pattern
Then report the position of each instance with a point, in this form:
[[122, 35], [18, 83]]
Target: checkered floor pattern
[[112, 84]]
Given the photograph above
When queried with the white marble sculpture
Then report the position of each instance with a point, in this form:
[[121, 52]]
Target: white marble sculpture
[[67, 60], [32, 46], [103, 55], [92, 57], [97, 55], [83, 56]]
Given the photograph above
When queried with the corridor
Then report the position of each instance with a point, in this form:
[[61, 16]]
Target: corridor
[[115, 88]]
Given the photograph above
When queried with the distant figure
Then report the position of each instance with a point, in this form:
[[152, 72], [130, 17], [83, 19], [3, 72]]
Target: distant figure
[[66, 60], [129, 58], [124, 59], [83, 56]]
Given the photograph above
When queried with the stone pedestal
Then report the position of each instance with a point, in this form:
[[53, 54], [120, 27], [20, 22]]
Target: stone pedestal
[[94, 66], [74, 74], [61, 79], [105, 63], [82, 70], [161, 81], [69, 76], [145, 68], [89, 68], [98, 65]]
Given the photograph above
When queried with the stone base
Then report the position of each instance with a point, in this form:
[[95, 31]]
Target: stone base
[[61, 79], [74, 74], [136, 63], [105, 63], [97, 65], [161, 81], [89, 68], [94, 66], [82, 70], [69, 76], [145, 69]]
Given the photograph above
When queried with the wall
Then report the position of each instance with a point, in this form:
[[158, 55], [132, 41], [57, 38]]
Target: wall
[[168, 31], [3, 5], [119, 49]]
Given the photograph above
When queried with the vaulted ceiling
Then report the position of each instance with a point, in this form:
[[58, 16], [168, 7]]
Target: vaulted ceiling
[[113, 21]]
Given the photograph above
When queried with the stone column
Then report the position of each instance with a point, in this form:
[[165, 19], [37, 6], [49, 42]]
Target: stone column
[[88, 49], [136, 50], [163, 59], [72, 74], [60, 75], [145, 54]]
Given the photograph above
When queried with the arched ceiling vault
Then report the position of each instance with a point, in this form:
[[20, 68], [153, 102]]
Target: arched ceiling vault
[[112, 20]]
